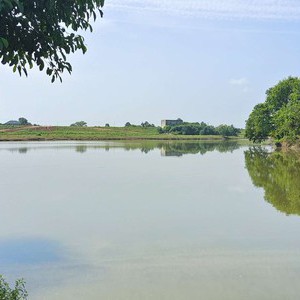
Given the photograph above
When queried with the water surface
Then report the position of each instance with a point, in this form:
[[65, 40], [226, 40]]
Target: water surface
[[150, 220]]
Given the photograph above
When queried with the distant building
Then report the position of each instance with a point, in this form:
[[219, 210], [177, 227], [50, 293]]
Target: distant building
[[12, 122], [170, 122]]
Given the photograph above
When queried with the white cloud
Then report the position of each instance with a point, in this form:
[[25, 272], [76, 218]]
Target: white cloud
[[215, 9], [239, 81], [242, 83]]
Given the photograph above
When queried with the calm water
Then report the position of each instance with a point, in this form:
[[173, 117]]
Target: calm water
[[116, 220]]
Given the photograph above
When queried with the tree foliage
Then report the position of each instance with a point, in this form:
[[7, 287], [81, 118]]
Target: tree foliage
[[17, 293], [23, 121], [227, 130], [259, 126], [200, 129], [278, 117], [79, 124], [287, 122], [43, 32], [146, 124]]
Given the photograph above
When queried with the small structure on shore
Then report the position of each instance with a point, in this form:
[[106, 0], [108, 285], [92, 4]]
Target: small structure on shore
[[171, 122]]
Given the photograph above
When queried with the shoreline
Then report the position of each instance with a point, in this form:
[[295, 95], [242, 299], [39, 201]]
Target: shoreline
[[121, 139], [67, 133]]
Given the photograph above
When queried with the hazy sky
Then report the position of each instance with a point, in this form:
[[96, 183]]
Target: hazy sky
[[209, 60]]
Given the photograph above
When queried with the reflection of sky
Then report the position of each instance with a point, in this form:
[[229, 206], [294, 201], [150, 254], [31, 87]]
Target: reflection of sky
[[114, 222], [29, 251]]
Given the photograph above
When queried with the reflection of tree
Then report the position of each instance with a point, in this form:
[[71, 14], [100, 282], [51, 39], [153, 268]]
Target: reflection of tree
[[175, 148], [178, 149], [279, 174], [167, 148], [23, 150], [81, 148]]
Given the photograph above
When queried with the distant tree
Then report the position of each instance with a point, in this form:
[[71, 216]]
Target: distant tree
[[17, 293], [207, 129], [23, 121], [200, 129], [43, 32], [147, 124], [227, 130], [127, 124], [107, 125], [79, 124]]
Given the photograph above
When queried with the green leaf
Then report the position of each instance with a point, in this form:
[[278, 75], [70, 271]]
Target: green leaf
[[4, 42]]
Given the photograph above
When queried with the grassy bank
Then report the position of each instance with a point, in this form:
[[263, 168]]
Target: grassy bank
[[51, 133]]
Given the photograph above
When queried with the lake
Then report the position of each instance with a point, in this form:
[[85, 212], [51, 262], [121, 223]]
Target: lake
[[150, 220]]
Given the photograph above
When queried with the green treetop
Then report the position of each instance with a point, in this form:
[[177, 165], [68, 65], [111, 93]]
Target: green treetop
[[44, 32], [279, 116]]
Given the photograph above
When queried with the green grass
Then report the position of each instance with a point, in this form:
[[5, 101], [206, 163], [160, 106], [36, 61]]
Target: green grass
[[91, 133]]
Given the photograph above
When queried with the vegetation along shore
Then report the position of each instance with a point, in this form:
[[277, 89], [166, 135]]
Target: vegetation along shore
[[184, 131]]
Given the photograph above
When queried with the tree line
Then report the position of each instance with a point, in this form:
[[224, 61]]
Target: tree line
[[201, 129]]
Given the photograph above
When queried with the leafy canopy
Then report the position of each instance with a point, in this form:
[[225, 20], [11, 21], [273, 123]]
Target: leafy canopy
[[42, 32], [279, 116]]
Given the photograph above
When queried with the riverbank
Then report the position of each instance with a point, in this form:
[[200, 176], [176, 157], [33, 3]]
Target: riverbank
[[64, 133], [288, 146]]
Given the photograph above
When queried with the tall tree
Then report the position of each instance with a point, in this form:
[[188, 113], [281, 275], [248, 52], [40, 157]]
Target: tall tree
[[44, 32], [278, 117]]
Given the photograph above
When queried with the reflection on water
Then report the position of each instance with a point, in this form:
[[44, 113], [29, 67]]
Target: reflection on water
[[278, 173], [179, 149], [102, 220], [81, 148], [167, 148], [28, 251], [23, 150]]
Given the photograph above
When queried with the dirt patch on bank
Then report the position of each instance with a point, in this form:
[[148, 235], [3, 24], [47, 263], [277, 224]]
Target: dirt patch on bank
[[46, 128]]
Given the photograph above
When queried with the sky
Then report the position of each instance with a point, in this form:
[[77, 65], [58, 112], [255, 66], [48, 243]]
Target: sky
[[149, 60]]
